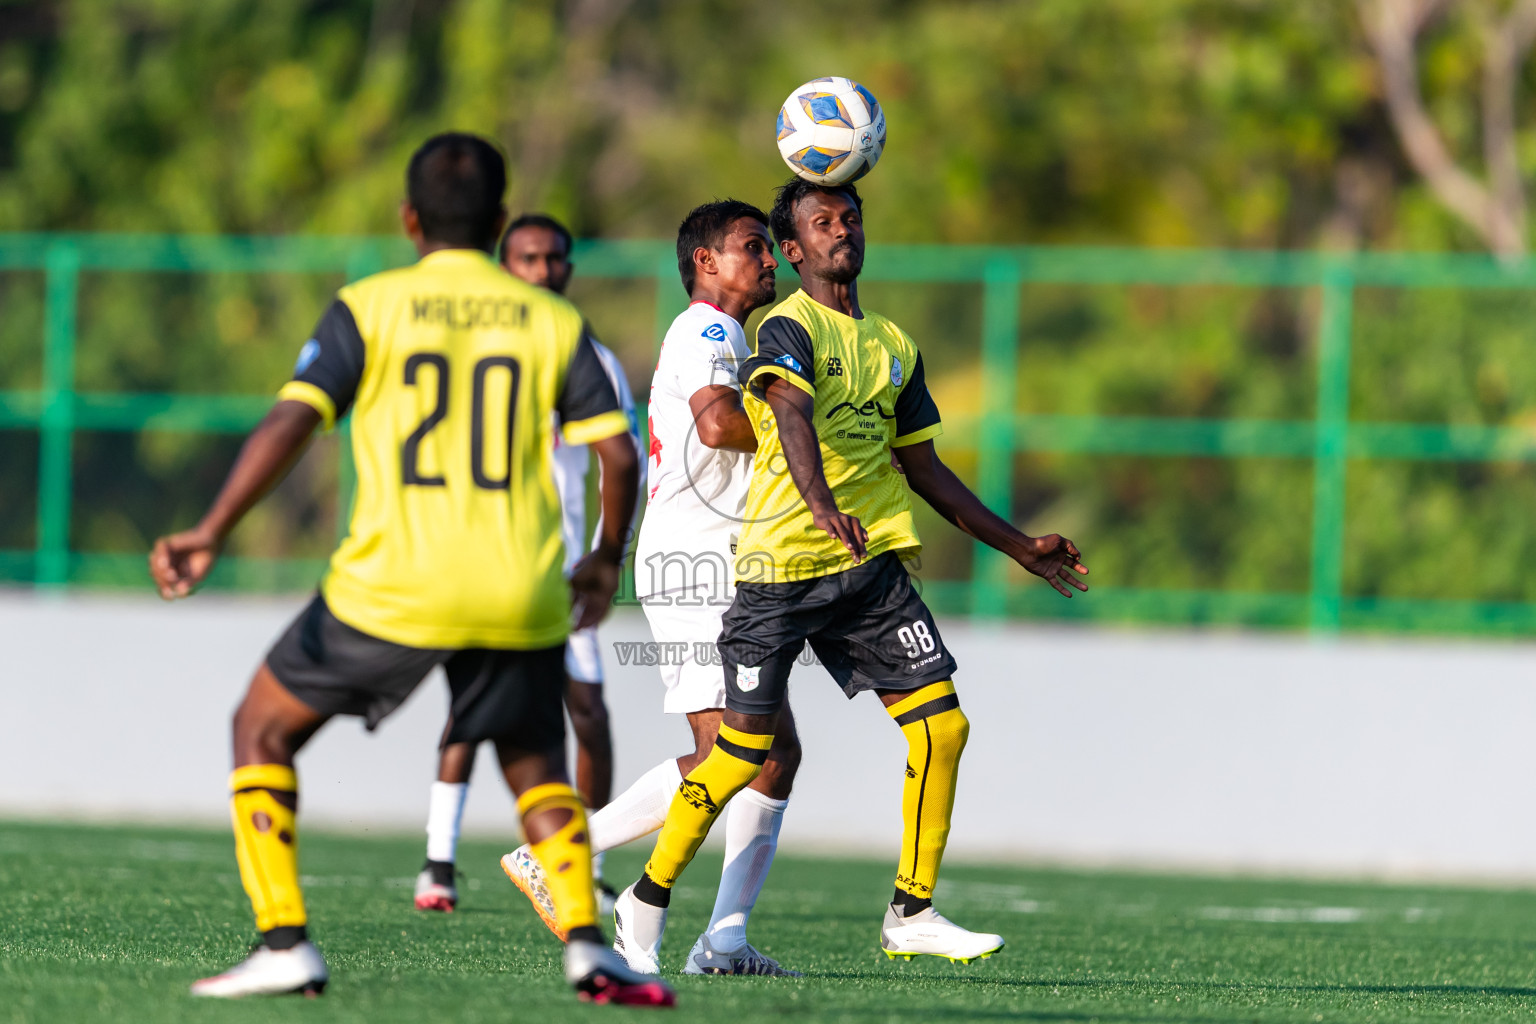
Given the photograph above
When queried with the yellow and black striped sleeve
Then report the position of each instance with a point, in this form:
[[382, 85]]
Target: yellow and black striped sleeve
[[917, 417], [329, 367], [784, 349], [588, 406]]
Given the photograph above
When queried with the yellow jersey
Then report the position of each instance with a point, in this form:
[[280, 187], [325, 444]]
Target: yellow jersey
[[452, 368], [870, 396]]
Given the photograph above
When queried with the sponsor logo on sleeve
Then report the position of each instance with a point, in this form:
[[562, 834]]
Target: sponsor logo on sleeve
[[715, 332], [790, 361], [895, 372], [307, 356]]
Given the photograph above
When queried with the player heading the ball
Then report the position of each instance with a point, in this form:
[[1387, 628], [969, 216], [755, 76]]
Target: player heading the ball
[[834, 388]]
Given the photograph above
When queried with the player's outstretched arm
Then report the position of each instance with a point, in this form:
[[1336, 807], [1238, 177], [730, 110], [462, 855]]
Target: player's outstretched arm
[[180, 562], [1052, 557], [595, 579], [720, 419], [792, 411]]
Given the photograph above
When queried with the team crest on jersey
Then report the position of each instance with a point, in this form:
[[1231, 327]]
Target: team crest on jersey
[[307, 356], [895, 372], [747, 678], [715, 332]]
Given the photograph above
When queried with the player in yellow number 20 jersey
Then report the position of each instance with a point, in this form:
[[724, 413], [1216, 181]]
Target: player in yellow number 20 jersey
[[833, 389], [453, 371]]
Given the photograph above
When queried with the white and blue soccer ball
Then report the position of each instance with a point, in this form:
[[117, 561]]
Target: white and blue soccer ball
[[831, 131]]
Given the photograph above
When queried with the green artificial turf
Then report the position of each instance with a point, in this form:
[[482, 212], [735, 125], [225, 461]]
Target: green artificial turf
[[110, 923]]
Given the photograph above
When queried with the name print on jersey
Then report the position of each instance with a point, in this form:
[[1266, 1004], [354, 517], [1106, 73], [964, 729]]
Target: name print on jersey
[[467, 312]]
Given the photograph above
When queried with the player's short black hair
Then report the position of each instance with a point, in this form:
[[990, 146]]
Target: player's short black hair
[[707, 226], [781, 219], [456, 181], [537, 220]]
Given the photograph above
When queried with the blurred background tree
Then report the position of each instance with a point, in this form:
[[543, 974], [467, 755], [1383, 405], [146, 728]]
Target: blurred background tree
[[1228, 123]]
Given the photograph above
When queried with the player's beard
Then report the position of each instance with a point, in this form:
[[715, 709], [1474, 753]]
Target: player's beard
[[844, 271], [767, 291]]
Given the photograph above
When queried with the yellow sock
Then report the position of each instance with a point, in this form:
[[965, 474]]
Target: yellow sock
[[936, 730], [267, 842], [734, 761], [566, 855]]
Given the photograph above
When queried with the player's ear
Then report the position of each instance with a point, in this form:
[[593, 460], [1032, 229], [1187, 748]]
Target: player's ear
[[704, 260], [410, 220], [791, 250]]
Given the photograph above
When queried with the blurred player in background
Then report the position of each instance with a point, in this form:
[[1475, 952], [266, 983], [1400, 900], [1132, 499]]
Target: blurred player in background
[[453, 371], [828, 523], [700, 462], [537, 249]]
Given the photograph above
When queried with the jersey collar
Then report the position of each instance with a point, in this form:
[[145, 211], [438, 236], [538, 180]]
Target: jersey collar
[[705, 302], [457, 256], [835, 312]]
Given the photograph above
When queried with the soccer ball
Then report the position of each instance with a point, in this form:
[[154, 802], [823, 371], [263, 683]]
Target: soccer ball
[[831, 131]]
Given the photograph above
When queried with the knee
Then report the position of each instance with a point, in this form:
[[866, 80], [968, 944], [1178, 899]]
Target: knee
[[258, 738], [731, 772], [589, 719], [948, 731], [942, 736], [778, 775], [525, 767]]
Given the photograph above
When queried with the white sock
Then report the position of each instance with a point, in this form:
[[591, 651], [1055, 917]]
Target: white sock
[[444, 812], [752, 823], [636, 812]]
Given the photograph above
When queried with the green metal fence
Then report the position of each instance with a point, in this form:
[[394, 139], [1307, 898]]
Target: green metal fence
[[996, 431]]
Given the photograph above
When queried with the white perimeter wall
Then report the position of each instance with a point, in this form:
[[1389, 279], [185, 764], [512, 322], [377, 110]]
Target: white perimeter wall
[[1245, 751]]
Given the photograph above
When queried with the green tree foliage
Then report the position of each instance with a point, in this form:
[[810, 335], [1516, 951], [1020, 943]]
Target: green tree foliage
[[1229, 123]]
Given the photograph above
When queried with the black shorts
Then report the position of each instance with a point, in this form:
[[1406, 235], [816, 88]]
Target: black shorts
[[513, 697], [867, 626]]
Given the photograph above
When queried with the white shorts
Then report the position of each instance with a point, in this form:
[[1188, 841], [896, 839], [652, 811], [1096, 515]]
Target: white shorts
[[583, 657], [690, 664]]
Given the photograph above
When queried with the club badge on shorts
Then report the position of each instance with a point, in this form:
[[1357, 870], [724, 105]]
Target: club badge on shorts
[[746, 678], [895, 372]]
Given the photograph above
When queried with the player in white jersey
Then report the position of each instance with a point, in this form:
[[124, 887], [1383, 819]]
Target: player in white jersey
[[700, 461], [537, 249]]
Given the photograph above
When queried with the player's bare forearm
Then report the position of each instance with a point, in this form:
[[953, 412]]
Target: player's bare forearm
[[181, 561], [792, 411], [595, 579], [266, 457], [720, 420], [937, 484], [1050, 556], [618, 489]]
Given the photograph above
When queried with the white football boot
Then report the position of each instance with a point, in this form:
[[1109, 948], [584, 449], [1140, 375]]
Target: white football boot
[[704, 958], [637, 931], [599, 975], [929, 933], [528, 875], [269, 972], [433, 895]]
